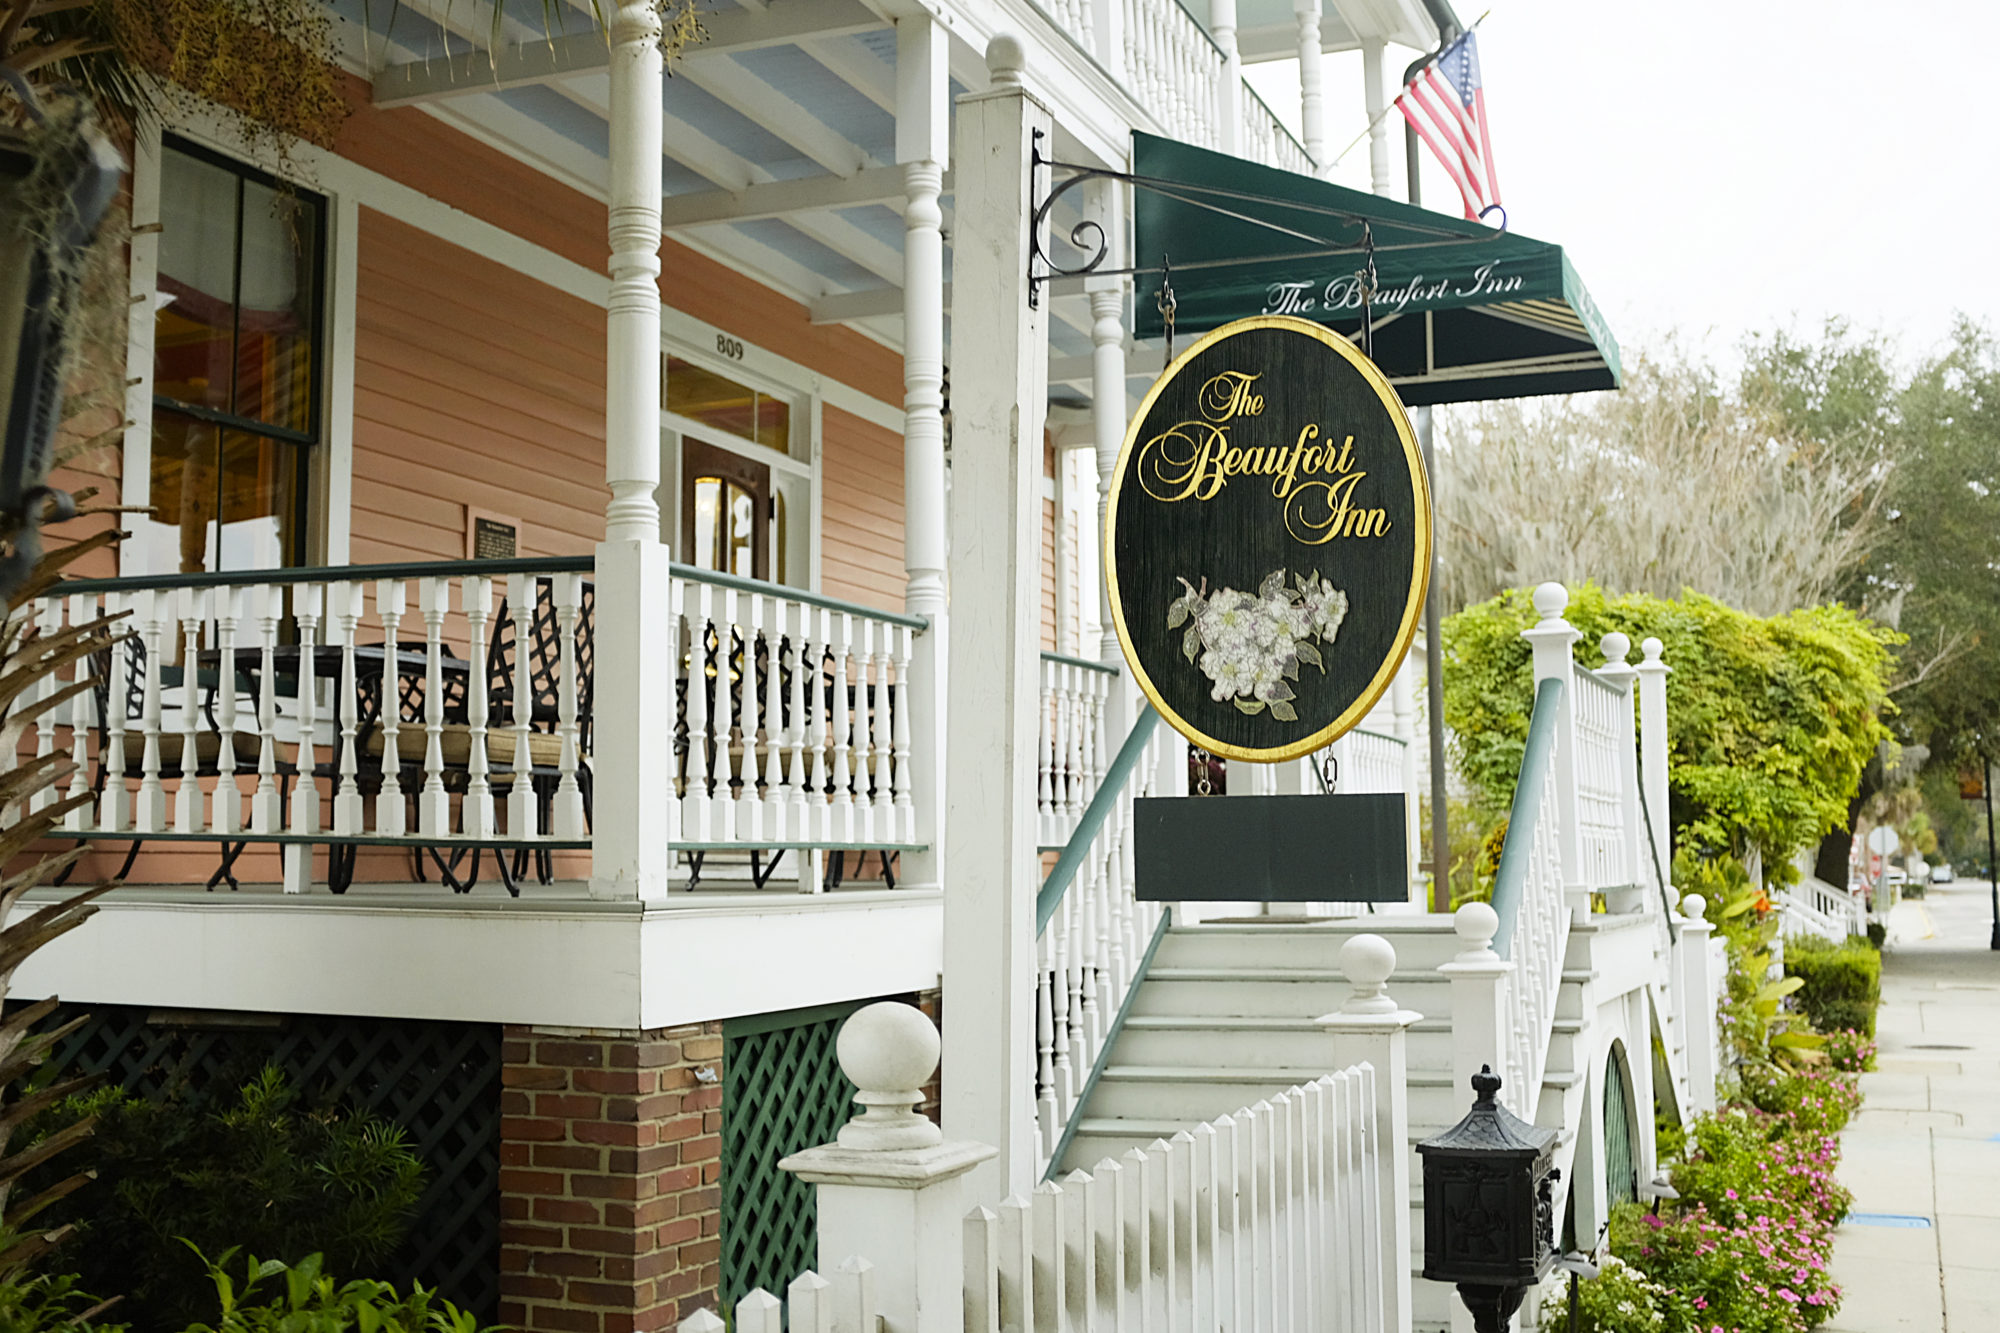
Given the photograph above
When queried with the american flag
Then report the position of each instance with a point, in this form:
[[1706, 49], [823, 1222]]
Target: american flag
[[1446, 105]]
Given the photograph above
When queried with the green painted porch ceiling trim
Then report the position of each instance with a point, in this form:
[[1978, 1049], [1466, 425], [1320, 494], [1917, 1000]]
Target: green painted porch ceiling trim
[[1462, 313]]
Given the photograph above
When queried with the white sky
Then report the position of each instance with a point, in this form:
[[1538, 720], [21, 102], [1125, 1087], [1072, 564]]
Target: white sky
[[1724, 166]]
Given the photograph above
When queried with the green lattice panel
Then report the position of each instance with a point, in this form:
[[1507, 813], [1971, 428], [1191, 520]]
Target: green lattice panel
[[439, 1081], [782, 1092]]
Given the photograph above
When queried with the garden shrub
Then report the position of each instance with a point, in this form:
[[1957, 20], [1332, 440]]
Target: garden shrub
[[49, 1304], [1849, 1051], [308, 1301], [1843, 983], [268, 1173]]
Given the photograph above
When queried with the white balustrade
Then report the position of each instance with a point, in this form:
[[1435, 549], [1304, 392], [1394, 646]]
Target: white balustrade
[[1603, 754], [1267, 141], [1173, 69], [1069, 746]]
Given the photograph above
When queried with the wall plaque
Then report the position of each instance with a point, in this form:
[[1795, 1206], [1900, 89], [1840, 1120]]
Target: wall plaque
[[1270, 539]]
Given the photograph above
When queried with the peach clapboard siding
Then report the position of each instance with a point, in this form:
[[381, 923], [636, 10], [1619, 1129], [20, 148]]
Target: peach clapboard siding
[[473, 386], [861, 513]]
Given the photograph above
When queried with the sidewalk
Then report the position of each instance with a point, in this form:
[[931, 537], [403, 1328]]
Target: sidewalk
[[1922, 1252]]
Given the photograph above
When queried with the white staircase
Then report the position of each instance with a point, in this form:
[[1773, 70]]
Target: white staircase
[[1225, 1018]]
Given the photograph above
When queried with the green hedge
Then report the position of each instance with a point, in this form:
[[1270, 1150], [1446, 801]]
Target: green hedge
[[1843, 983]]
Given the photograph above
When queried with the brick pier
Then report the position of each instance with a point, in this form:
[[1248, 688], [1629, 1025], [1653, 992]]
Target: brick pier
[[610, 1166]]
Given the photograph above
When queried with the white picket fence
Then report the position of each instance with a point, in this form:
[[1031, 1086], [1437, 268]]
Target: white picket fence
[[843, 1303], [1264, 1220]]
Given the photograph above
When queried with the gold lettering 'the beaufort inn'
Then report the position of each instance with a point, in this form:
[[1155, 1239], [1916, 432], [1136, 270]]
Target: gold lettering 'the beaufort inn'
[[1194, 460]]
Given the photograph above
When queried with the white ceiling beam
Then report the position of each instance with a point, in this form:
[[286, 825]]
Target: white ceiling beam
[[846, 307], [542, 61], [873, 185], [862, 70], [772, 111], [1143, 363]]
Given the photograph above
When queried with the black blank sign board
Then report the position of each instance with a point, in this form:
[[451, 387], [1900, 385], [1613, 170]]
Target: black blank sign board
[[1341, 848]]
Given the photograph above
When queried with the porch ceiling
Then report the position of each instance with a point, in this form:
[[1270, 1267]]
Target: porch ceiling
[[779, 144]]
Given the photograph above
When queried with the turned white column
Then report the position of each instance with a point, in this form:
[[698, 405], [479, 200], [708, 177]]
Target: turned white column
[[1374, 94], [1312, 98], [1552, 638], [923, 143], [999, 407], [1222, 27], [1107, 394], [634, 686]]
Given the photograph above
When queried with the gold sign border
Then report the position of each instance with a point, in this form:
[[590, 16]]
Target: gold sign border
[[1420, 575]]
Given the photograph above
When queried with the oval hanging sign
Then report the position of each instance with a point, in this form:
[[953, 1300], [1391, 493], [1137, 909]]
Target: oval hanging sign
[[1269, 535]]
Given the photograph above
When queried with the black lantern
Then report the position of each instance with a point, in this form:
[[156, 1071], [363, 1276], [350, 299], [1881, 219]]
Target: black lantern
[[1489, 1206]]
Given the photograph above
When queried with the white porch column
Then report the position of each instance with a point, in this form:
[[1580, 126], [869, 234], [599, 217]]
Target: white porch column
[[1653, 675], [1107, 391], [1552, 639], [1374, 83], [1403, 705], [1372, 1028], [1222, 27], [923, 122], [1312, 100], [636, 633], [999, 407]]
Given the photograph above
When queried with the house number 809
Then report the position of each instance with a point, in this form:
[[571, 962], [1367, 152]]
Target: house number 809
[[729, 347]]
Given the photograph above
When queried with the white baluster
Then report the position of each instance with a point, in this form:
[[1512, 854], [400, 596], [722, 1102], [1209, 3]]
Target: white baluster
[[189, 807], [1046, 1111], [777, 797], [115, 813], [49, 623], [150, 813], [569, 823], [841, 734], [227, 814], [434, 805], [798, 820], [906, 814], [695, 809], [389, 811], [817, 763], [522, 594], [749, 810], [346, 602], [1045, 755], [477, 808], [305, 785], [82, 610], [724, 711], [266, 811], [881, 828]]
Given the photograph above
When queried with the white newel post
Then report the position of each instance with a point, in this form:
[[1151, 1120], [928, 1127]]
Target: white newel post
[[1371, 1028], [1479, 1009], [1653, 675], [1552, 638], [891, 1189], [1694, 989], [1222, 27], [635, 638], [1374, 85], [999, 402], [1312, 98], [923, 142]]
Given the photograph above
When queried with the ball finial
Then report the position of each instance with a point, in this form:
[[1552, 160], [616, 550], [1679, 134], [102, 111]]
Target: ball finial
[[888, 1051], [1367, 961], [1614, 646], [1694, 907], [1476, 924], [1551, 600], [1652, 648], [1005, 59]]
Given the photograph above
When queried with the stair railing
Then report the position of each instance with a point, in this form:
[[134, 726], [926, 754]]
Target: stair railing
[[1095, 938], [1529, 897]]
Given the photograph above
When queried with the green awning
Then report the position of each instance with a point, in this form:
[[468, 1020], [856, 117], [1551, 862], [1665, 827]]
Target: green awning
[[1461, 313]]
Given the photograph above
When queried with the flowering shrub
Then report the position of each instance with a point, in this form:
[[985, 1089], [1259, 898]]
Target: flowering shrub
[[1620, 1299], [1816, 1099], [1752, 1274], [1849, 1051], [1250, 645]]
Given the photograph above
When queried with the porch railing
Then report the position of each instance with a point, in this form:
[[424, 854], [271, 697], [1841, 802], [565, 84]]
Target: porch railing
[[1266, 140], [1069, 745], [1813, 907], [451, 702], [1174, 69]]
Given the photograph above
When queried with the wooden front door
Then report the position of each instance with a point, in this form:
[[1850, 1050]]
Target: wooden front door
[[725, 511]]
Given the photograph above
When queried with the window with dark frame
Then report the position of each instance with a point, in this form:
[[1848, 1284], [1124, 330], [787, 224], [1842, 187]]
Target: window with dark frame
[[238, 357]]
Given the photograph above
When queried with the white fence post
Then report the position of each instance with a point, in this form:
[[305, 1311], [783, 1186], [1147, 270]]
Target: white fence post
[[1694, 991], [1552, 638], [1371, 1028], [891, 1187], [1617, 672]]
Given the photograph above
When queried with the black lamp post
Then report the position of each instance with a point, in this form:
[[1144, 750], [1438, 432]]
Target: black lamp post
[[1489, 1207]]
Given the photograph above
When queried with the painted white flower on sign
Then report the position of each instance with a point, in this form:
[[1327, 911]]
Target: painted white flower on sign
[[1250, 645]]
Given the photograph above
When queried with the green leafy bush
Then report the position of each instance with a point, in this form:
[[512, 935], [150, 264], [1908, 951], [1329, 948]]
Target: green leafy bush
[[1842, 983], [308, 1301], [1849, 1051], [267, 1173], [1773, 719], [49, 1304], [1620, 1299]]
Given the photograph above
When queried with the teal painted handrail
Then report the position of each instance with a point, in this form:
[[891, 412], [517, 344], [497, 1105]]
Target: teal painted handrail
[[1064, 659], [1115, 778], [1103, 1060], [1510, 881]]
